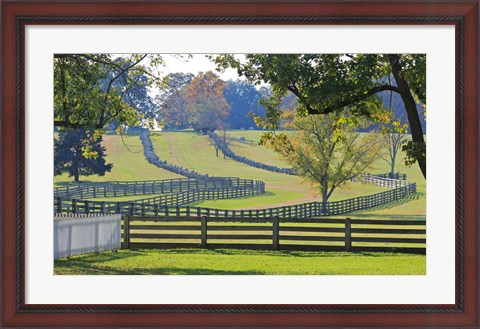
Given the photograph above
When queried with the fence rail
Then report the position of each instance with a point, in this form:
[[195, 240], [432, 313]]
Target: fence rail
[[396, 175], [381, 181], [156, 204], [273, 233], [230, 154], [171, 207], [175, 185]]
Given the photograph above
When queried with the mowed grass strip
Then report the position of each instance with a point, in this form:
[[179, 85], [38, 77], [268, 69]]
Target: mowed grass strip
[[245, 143], [240, 262]]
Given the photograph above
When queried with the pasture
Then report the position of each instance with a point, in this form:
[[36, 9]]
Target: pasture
[[240, 262], [196, 152]]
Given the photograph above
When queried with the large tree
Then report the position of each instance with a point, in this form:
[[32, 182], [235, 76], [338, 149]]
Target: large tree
[[326, 151], [92, 90], [326, 83], [70, 154], [243, 99], [172, 101], [206, 104]]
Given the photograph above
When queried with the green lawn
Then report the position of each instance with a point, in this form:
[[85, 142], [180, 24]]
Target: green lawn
[[240, 262], [128, 164]]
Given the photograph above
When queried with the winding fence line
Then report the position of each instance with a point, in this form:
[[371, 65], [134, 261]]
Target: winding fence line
[[151, 157], [230, 154], [172, 204], [176, 193], [118, 188]]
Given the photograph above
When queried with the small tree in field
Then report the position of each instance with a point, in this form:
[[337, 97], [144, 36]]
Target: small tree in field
[[325, 154], [77, 153], [393, 142], [394, 137]]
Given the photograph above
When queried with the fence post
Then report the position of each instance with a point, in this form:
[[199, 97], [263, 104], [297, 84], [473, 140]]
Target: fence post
[[74, 206], [348, 234], [126, 232], [275, 232], [59, 205], [203, 232]]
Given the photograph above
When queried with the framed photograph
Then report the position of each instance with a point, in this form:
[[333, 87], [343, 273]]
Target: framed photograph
[[236, 164]]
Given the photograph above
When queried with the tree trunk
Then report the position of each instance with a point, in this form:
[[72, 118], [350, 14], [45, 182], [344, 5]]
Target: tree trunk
[[76, 175], [411, 109], [324, 185], [392, 170]]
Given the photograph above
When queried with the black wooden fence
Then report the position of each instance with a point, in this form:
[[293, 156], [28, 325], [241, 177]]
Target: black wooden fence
[[396, 175], [230, 154], [304, 210], [176, 185], [156, 204], [273, 233]]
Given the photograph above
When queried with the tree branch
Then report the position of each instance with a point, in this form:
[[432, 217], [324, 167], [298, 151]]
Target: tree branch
[[354, 99]]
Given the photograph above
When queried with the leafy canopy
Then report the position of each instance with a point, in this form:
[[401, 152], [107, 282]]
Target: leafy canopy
[[206, 104], [326, 152], [91, 90], [327, 83]]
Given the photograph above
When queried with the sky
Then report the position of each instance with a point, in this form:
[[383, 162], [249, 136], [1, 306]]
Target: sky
[[198, 63]]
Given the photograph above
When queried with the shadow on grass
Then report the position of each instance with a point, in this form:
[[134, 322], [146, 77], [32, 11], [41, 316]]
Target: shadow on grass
[[82, 269], [269, 253], [387, 217], [92, 266], [396, 203]]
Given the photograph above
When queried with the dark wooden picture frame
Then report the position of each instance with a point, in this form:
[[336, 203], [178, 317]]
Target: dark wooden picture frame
[[17, 14]]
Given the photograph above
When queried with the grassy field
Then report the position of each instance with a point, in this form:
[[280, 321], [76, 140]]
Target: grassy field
[[128, 164], [193, 151], [240, 262], [249, 148], [189, 150]]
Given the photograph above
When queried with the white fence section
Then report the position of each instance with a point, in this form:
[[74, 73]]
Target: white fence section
[[75, 235]]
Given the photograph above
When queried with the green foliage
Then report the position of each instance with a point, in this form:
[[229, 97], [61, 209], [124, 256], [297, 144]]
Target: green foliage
[[413, 151], [326, 83], [90, 90], [326, 150], [77, 152]]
